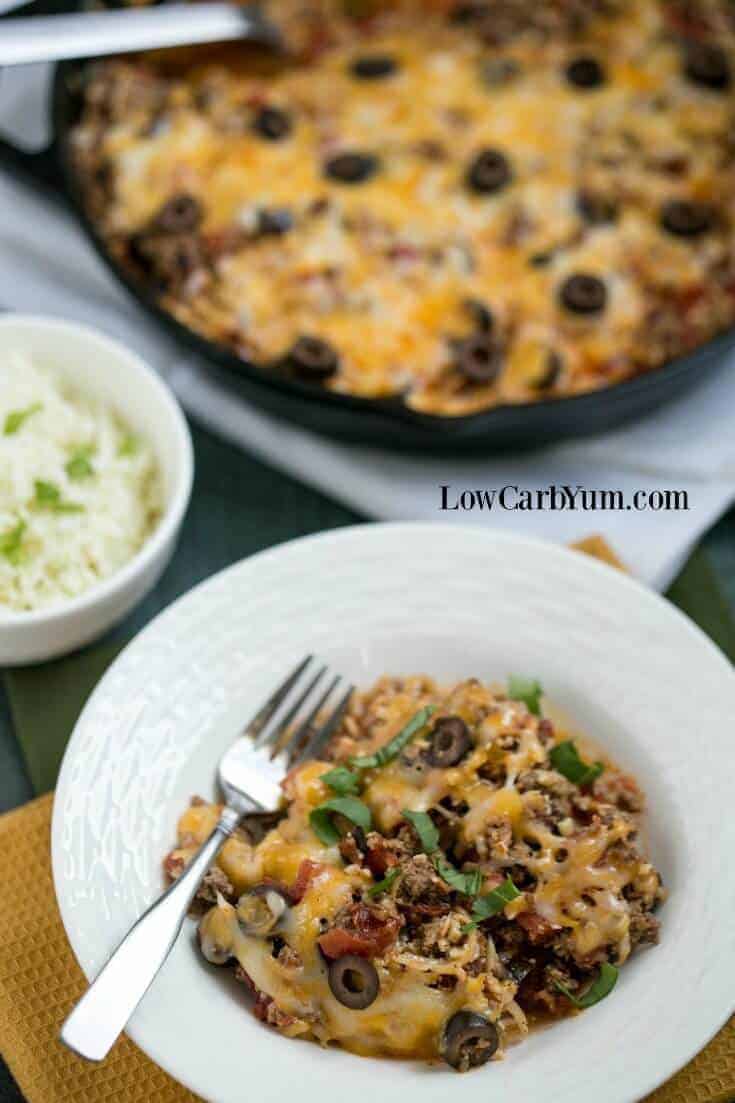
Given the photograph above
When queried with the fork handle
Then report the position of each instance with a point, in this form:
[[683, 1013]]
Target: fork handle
[[102, 1013]]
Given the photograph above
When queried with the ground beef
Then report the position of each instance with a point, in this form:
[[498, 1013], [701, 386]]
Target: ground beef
[[422, 893], [215, 881], [644, 928], [620, 790]]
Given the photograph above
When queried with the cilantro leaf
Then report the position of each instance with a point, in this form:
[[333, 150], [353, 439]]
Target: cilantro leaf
[[467, 883], [395, 745], [16, 419], [79, 465], [527, 690], [48, 496], [11, 543], [424, 827], [602, 986], [342, 781], [565, 759], [385, 884], [322, 817], [492, 903], [129, 445]]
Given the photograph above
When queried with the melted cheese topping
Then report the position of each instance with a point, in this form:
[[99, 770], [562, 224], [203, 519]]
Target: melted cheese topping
[[382, 269], [509, 810]]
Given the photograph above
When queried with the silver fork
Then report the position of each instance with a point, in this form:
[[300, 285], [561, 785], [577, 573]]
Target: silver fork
[[283, 734]]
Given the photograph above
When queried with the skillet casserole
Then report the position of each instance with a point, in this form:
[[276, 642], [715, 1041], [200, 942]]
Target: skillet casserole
[[457, 204], [459, 871]]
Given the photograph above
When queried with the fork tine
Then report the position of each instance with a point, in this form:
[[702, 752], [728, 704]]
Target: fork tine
[[261, 718], [273, 734], [319, 737], [305, 731]]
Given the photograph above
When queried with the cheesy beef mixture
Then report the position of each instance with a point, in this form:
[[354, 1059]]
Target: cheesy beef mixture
[[452, 202], [455, 871]]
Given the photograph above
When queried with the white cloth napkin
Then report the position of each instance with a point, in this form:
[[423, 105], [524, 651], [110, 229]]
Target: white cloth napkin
[[46, 266]]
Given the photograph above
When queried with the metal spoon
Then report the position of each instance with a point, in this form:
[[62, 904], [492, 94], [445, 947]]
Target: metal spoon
[[92, 34]]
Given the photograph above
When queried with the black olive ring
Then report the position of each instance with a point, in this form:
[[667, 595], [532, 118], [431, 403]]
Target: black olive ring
[[353, 981]]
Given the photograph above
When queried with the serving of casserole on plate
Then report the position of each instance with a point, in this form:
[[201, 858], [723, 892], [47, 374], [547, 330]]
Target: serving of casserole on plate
[[457, 203], [620, 667], [457, 872]]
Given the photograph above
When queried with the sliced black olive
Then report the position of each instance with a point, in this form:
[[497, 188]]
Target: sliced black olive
[[583, 294], [179, 215], [468, 1040], [450, 741], [489, 172], [373, 66], [312, 358], [481, 315], [707, 64], [274, 220], [351, 168], [360, 838], [353, 981], [595, 208], [272, 123], [478, 358], [686, 218], [585, 72], [496, 71], [261, 910], [468, 12]]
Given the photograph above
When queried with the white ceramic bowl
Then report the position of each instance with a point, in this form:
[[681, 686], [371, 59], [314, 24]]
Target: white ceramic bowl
[[621, 662], [105, 368]]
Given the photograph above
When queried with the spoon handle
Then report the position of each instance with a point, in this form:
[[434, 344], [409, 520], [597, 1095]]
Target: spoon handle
[[93, 34]]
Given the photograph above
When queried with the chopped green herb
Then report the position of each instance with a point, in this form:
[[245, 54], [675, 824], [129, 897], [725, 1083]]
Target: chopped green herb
[[467, 883], [79, 465], [11, 543], [48, 496], [129, 445], [394, 746], [423, 825], [597, 991], [527, 690], [565, 758], [385, 884], [322, 817], [492, 903], [16, 419], [342, 781]]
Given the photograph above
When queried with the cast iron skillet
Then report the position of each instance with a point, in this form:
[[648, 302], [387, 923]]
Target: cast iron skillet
[[386, 422]]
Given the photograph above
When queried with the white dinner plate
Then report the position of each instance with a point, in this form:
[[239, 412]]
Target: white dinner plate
[[629, 669]]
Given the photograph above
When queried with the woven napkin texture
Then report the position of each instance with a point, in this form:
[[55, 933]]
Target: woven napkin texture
[[40, 981]]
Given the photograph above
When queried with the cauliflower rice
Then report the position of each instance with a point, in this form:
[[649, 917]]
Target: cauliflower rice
[[79, 492]]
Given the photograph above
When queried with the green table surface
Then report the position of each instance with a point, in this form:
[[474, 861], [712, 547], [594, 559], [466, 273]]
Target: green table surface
[[239, 507]]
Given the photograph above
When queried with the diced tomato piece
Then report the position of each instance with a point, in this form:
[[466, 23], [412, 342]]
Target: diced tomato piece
[[365, 932], [307, 871], [536, 927]]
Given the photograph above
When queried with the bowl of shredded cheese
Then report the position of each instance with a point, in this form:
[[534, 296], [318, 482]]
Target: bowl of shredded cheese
[[96, 470]]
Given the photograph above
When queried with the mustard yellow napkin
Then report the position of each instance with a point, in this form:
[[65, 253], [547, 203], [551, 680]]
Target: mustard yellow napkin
[[40, 981]]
